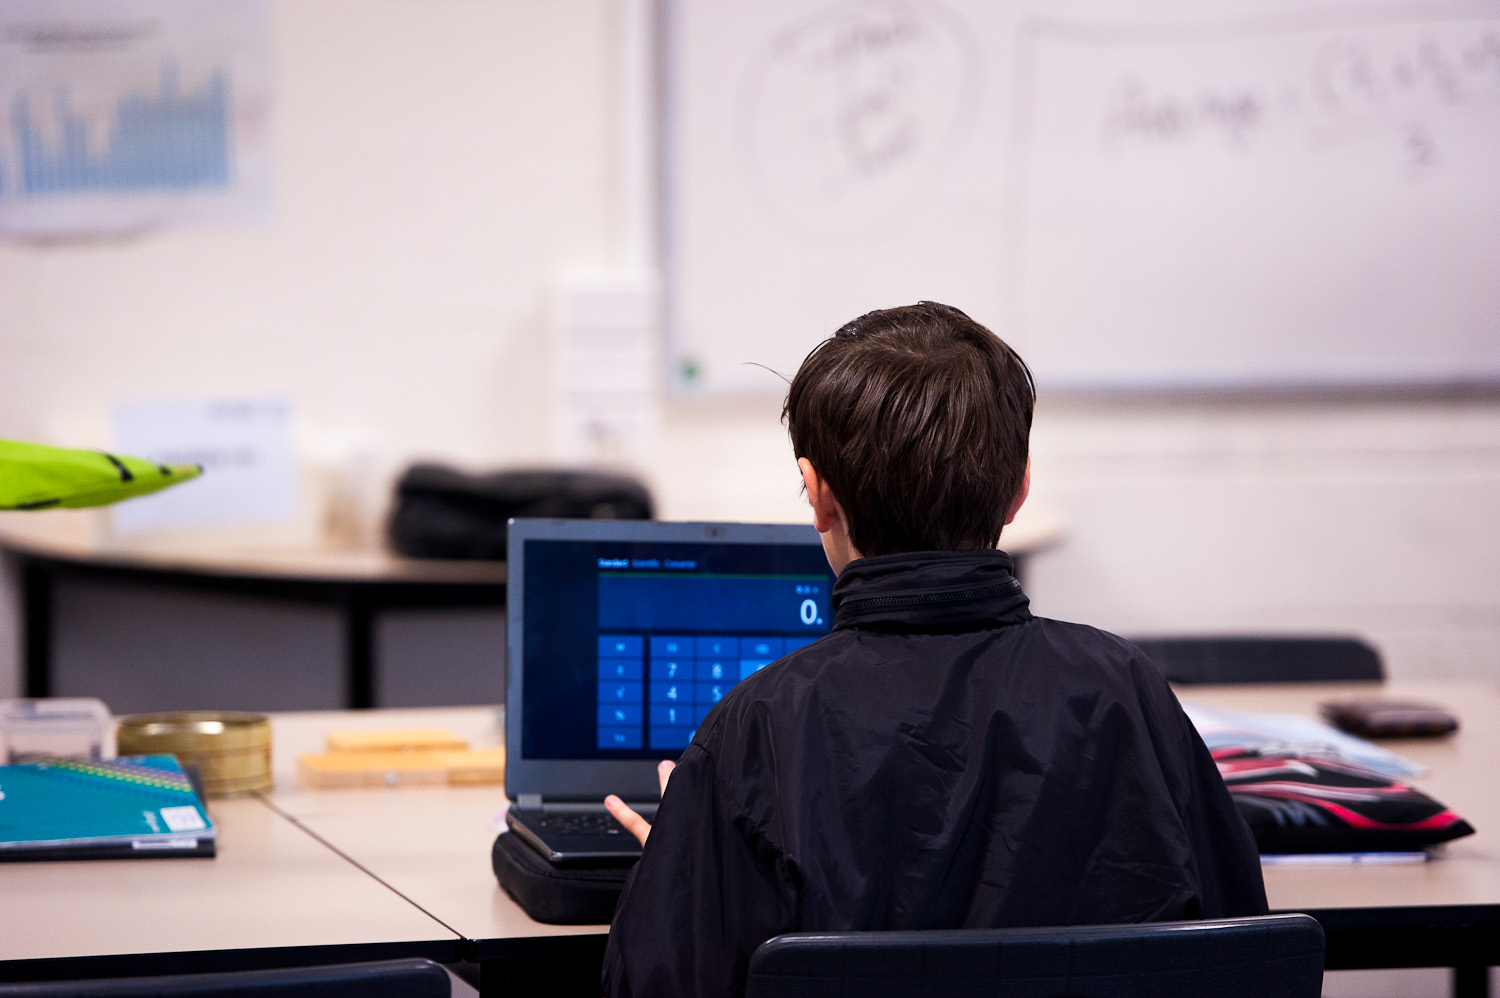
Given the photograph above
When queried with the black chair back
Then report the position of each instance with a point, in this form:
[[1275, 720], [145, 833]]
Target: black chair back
[[384, 978], [1272, 956], [1250, 659]]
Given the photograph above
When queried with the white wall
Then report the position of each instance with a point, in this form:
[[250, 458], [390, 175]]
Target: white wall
[[439, 163], [1376, 518], [436, 164]]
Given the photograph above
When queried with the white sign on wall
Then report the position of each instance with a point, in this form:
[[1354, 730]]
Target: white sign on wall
[[245, 449]]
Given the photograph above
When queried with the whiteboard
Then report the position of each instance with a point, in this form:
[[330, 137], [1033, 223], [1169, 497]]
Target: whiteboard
[[1152, 195]]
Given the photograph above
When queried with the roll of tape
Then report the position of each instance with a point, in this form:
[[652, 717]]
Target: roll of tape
[[231, 749]]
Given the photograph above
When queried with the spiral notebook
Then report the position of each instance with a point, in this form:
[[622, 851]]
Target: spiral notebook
[[140, 806]]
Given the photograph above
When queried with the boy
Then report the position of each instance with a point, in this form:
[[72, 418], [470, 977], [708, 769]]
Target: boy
[[942, 759]]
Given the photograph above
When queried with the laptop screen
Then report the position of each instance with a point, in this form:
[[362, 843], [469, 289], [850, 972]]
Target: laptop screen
[[630, 632]]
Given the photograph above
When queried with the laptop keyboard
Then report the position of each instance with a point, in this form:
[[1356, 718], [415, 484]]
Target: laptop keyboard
[[582, 823]]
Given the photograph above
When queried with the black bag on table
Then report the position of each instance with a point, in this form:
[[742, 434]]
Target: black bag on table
[[557, 895], [444, 513]]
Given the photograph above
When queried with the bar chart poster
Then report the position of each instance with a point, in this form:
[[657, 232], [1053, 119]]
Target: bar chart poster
[[124, 116]]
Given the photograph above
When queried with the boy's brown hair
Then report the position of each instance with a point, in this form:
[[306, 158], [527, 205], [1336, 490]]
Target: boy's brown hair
[[918, 418]]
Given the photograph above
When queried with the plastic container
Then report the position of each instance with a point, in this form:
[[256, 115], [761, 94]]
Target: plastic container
[[53, 728]]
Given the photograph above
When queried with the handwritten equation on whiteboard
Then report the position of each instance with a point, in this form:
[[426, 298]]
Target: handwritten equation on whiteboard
[[1211, 205], [846, 116], [1399, 87]]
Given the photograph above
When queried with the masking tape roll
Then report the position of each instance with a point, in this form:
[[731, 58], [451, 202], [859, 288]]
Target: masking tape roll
[[231, 749]]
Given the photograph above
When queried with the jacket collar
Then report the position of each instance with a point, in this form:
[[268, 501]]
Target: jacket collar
[[944, 590]]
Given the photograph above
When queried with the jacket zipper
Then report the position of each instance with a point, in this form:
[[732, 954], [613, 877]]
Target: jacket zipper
[[929, 599]]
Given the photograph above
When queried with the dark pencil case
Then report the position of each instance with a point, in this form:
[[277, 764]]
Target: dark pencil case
[[1380, 717]]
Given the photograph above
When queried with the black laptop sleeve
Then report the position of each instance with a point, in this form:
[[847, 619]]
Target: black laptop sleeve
[[557, 895]]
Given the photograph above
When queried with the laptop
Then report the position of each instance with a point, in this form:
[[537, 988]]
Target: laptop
[[621, 636]]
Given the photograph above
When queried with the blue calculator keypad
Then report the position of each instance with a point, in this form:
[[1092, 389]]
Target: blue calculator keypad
[[663, 686]]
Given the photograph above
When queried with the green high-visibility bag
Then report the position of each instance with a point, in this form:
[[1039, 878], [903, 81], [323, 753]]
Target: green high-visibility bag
[[33, 476]]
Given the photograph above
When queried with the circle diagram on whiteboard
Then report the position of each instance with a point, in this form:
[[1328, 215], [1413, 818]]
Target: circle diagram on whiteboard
[[849, 116]]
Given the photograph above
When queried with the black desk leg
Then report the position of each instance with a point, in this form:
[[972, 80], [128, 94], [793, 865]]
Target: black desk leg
[[359, 643], [556, 966], [1471, 981], [520, 977], [36, 599]]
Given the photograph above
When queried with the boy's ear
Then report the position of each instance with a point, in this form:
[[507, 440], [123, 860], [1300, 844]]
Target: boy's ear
[[1021, 494], [826, 509]]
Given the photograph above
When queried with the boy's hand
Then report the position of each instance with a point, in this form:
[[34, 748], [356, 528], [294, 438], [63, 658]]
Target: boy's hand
[[634, 823]]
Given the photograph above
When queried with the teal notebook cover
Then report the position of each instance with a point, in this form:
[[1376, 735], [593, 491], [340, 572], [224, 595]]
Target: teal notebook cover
[[133, 805]]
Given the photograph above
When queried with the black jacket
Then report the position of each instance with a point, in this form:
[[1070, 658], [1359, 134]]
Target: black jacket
[[942, 759]]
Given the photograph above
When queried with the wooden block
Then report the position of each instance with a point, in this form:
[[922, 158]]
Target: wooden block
[[374, 769], [395, 740], [478, 766]]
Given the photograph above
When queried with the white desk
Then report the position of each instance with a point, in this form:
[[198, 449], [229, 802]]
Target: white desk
[[322, 876], [1461, 773], [432, 845], [1444, 913], [57, 553], [75, 537], [273, 896]]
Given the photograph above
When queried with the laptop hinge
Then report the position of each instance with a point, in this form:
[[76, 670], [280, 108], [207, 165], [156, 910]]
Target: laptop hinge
[[529, 802]]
